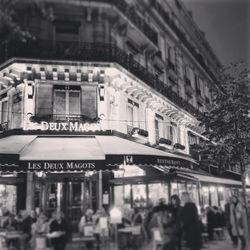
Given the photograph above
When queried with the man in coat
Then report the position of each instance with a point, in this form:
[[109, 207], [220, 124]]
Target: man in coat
[[191, 226]]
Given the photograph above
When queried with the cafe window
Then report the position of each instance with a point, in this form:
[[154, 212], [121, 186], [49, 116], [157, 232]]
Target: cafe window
[[66, 102], [156, 191]]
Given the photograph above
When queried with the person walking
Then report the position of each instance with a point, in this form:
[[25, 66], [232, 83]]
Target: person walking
[[191, 226], [176, 209], [237, 222], [59, 231], [211, 221], [162, 228]]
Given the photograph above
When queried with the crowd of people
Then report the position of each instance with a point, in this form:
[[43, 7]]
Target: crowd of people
[[172, 226]]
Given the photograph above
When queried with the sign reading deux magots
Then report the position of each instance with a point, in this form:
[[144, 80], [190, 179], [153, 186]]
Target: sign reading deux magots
[[64, 126]]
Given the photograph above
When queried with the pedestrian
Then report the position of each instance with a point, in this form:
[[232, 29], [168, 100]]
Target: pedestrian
[[39, 228], [25, 226], [228, 221], [176, 209], [191, 227], [148, 217], [161, 226], [59, 232], [137, 222], [237, 222], [211, 221]]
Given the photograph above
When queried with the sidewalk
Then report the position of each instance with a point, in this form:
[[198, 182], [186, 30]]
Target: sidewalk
[[212, 245]]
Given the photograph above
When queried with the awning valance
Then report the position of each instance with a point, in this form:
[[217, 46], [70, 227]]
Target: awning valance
[[78, 153], [216, 180]]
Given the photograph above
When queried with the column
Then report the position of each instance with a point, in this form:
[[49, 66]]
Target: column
[[151, 125], [30, 192]]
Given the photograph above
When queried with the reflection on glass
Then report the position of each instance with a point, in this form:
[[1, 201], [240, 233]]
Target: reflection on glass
[[157, 191], [139, 195], [174, 188]]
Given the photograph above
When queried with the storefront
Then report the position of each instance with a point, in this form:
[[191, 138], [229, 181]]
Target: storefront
[[75, 172]]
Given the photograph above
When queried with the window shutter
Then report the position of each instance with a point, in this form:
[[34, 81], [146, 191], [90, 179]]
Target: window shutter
[[89, 101], [44, 100]]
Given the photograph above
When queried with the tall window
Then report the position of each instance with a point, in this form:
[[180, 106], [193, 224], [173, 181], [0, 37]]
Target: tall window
[[133, 114], [158, 127], [66, 102], [171, 56]]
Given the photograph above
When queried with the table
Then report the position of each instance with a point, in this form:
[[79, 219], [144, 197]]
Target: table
[[11, 237]]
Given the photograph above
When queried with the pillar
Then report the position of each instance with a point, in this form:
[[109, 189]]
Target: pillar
[[30, 192]]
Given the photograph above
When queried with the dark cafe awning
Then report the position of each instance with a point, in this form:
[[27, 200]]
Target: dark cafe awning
[[79, 153]]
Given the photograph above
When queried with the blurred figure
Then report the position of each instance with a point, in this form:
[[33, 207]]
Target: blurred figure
[[161, 224], [33, 216], [228, 220], [191, 228], [137, 222], [86, 219], [176, 209], [237, 222], [38, 228], [210, 222], [148, 218], [25, 227], [60, 229]]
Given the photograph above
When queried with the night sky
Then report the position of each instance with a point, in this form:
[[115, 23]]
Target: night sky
[[226, 24]]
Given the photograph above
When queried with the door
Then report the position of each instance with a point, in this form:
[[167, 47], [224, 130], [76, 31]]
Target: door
[[72, 196]]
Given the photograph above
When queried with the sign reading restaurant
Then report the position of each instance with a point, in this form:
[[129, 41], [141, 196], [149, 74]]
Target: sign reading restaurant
[[64, 126]]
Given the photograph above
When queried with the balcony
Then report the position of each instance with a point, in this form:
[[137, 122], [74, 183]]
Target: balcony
[[91, 52]]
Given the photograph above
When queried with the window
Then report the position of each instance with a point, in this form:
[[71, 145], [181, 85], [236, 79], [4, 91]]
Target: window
[[174, 133], [171, 55], [67, 30], [4, 111], [158, 127], [162, 46], [133, 114], [66, 102]]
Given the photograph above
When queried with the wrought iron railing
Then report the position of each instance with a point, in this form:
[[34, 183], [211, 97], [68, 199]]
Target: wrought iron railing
[[92, 52]]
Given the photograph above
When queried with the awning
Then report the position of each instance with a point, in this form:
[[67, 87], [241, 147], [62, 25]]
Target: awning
[[78, 153], [216, 180]]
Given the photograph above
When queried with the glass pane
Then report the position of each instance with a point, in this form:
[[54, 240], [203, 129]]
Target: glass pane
[[136, 117], [130, 116], [8, 197], [118, 199], [205, 196], [74, 103], [174, 188], [156, 191], [60, 103], [139, 195]]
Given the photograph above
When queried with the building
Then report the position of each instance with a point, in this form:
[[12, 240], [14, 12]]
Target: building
[[106, 85]]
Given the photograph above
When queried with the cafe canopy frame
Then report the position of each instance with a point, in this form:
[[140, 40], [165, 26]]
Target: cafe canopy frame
[[23, 153]]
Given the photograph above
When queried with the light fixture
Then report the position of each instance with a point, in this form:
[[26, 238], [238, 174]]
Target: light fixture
[[101, 92], [30, 90], [211, 189], [220, 189]]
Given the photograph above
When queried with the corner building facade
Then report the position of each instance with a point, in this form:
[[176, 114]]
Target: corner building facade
[[107, 85]]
